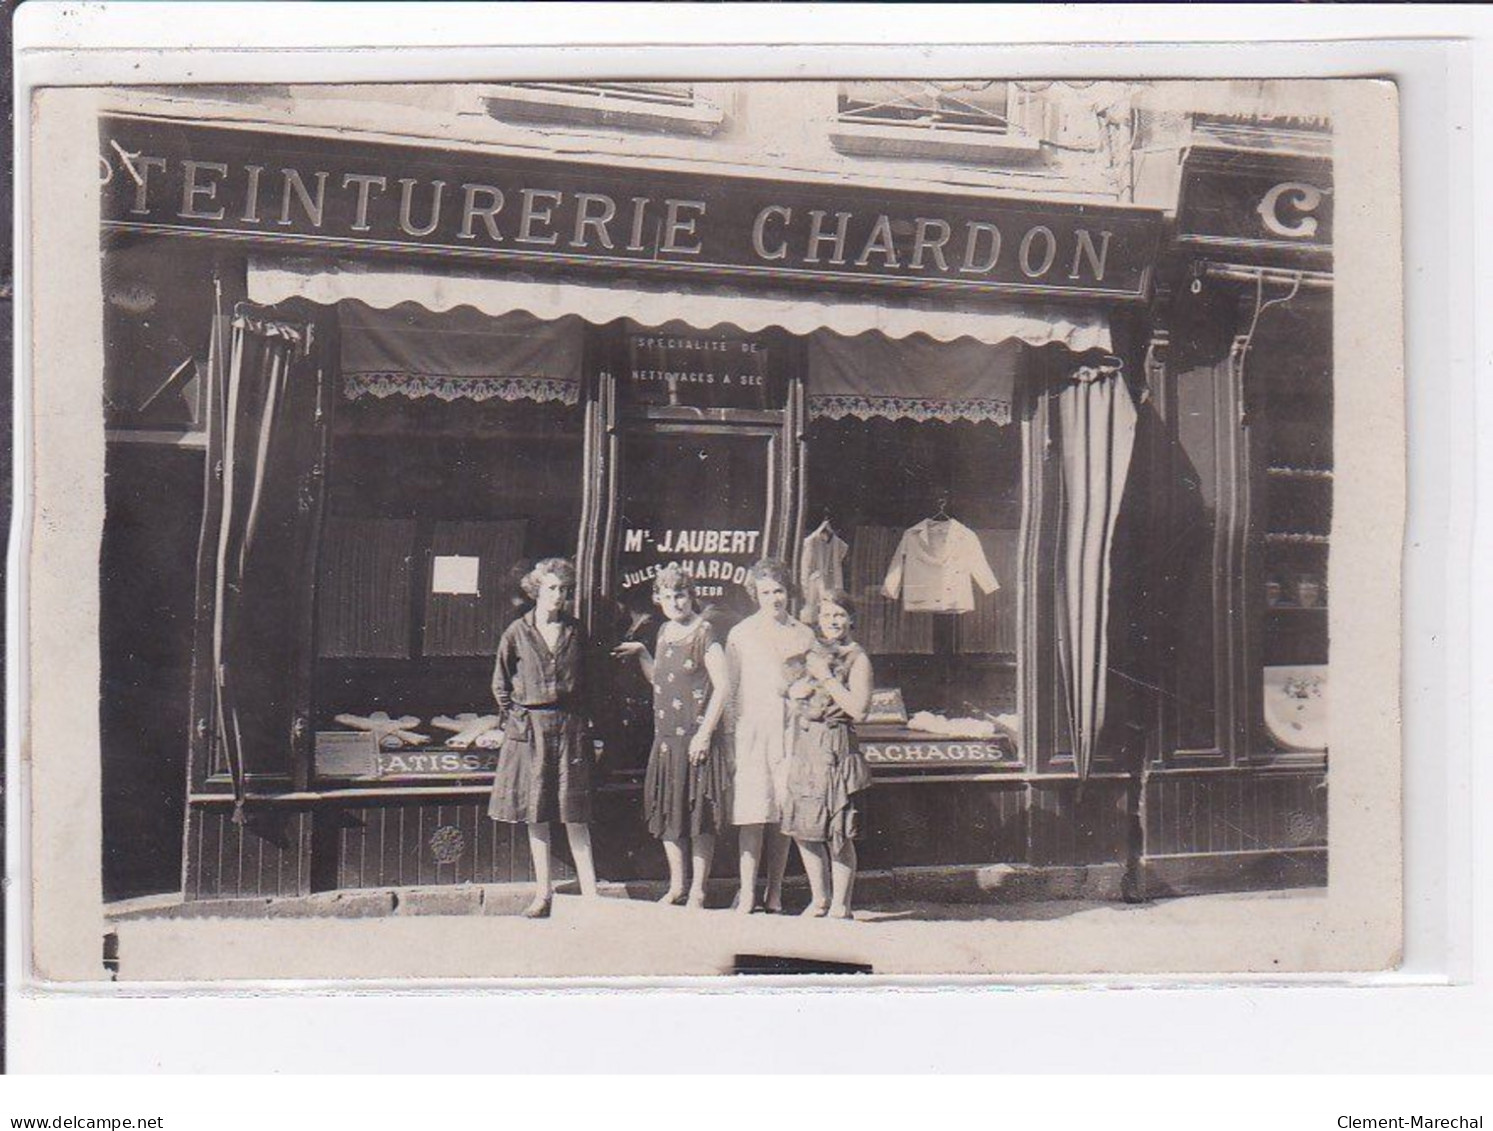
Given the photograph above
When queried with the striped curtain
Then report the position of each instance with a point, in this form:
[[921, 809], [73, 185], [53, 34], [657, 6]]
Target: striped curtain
[[1097, 421], [882, 627], [991, 628], [363, 588], [270, 473], [469, 624]]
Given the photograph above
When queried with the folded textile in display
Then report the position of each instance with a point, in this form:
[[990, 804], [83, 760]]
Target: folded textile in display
[[390, 732], [964, 727], [467, 728], [952, 728], [886, 707]]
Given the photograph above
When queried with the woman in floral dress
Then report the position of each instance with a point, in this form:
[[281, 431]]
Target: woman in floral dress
[[687, 786]]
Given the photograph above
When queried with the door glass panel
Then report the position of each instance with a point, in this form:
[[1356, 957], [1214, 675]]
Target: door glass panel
[[703, 500]]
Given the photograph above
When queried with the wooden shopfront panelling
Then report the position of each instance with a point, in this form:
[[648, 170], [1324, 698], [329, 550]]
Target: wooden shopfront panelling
[[907, 824], [268, 855], [1244, 811], [1069, 825], [418, 843], [1199, 585]]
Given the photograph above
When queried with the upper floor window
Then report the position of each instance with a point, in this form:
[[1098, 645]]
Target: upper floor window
[[656, 93], [660, 107], [972, 120], [978, 106]]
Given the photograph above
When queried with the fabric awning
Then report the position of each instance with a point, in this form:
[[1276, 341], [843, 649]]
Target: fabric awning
[[895, 317]]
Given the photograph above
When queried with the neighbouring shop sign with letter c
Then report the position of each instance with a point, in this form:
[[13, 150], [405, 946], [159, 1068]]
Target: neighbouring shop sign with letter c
[[1287, 210], [1271, 209]]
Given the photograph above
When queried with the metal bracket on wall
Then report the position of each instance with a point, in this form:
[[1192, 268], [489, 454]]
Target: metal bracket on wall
[[1269, 276], [1237, 350], [1154, 366]]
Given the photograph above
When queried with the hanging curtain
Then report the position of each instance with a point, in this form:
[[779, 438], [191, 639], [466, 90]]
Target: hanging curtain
[[1096, 421], [882, 624], [915, 378], [460, 354], [363, 587], [268, 446], [990, 628], [469, 624]]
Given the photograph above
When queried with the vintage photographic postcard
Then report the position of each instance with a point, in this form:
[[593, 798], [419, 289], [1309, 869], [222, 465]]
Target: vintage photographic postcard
[[658, 529]]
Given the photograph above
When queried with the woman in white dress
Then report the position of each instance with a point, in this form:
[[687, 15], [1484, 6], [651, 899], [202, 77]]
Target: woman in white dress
[[756, 650]]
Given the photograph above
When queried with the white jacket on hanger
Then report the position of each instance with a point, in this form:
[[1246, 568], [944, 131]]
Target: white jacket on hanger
[[936, 566]]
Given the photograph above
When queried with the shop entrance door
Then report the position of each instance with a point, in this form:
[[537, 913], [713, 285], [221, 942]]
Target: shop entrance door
[[705, 496]]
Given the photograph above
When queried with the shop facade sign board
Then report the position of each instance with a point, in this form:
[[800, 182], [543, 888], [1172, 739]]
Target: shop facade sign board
[[1257, 207], [317, 194]]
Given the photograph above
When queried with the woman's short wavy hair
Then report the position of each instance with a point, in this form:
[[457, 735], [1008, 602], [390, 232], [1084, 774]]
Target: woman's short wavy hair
[[672, 578], [561, 568], [837, 597], [770, 569]]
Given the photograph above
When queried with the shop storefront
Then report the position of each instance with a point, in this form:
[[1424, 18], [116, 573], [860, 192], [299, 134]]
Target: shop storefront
[[1242, 380], [431, 366]]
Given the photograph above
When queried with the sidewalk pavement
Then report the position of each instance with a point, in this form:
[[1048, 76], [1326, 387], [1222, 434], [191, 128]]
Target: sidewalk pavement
[[474, 933]]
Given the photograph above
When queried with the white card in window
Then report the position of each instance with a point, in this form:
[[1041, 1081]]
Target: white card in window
[[454, 574]]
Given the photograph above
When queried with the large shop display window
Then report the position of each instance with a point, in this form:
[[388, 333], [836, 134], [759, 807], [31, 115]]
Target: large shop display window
[[455, 462], [914, 507], [1289, 407]]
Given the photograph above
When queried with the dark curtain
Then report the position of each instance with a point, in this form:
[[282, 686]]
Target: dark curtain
[[270, 456], [1096, 423], [460, 354], [872, 376], [363, 587], [461, 624]]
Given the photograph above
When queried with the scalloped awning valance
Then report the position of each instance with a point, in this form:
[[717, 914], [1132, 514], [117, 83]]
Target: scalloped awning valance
[[521, 338], [913, 379], [461, 354]]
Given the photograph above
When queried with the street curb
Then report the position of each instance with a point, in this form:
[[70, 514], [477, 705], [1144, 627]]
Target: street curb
[[995, 884]]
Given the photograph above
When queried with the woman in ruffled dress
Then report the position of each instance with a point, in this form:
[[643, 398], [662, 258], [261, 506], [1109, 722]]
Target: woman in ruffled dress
[[829, 688], [687, 786]]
